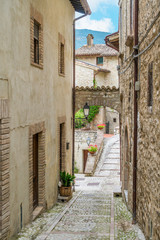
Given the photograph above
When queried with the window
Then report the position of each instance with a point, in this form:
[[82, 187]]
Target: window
[[36, 38], [61, 56], [114, 120], [150, 84], [131, 15], [36, 42], [99, 60]]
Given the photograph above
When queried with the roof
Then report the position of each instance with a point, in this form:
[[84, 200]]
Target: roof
[[112, 40], [81, 6], [97, 49], [92, 66]]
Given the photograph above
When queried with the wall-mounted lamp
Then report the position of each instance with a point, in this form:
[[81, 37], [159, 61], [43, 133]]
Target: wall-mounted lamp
[[86, 110], [88, 141]]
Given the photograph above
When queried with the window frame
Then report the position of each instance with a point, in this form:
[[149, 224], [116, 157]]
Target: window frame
[[36, 19], [61, 55], [98, 59]]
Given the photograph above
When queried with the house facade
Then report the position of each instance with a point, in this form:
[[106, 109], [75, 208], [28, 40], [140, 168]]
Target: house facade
[[96, 65], [139, 51], [36, 55]]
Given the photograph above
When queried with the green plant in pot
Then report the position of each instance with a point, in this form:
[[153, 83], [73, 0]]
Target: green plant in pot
[[66, 180]]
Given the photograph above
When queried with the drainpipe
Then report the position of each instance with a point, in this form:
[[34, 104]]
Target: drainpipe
[[135, 113], [73, 90]]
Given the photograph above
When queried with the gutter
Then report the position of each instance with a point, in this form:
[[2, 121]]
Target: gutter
[[73, 93], [135, 114]]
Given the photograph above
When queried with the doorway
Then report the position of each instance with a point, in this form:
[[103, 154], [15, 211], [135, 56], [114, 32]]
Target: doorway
[[62, 148], [85, 156], [35, 171]]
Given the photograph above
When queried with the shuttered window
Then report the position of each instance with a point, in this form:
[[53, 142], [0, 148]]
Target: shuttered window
[[61, 55], [150, 84], [36, 42], [62, 58], [99, 60]]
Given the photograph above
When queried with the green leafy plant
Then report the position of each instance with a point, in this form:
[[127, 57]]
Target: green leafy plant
[[66, 179], [92, 148], [80, 118], [76, 170], [92, 112], [101, 126]]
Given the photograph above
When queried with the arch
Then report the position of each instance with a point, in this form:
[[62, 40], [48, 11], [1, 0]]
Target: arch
[[102, 96]]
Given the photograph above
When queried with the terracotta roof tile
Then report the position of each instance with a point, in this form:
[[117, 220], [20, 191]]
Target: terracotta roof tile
[[97, 49]]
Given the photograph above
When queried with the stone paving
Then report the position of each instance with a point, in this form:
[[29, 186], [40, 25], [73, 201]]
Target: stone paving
[[93, 212]]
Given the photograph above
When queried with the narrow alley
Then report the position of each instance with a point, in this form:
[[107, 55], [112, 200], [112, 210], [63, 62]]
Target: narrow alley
[[93, 212]]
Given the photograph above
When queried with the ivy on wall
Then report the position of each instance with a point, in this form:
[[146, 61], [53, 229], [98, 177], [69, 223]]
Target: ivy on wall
[[80, 115]]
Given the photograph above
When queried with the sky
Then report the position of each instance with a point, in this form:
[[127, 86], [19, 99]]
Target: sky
[[104, 16]]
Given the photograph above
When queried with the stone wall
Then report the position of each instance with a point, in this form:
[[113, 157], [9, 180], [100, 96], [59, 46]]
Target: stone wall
[[148, 155], [85, 74], [112, 116], [81, 144], [97, 96]]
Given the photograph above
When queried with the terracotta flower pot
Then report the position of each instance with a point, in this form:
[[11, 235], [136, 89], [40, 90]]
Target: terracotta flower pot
[[65, 191], [92, 153]]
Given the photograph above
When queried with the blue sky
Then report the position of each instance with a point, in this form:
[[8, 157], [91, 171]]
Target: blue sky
[[104, 16]]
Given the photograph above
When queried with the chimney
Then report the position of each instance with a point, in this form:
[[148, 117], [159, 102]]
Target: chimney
[[90, 40]]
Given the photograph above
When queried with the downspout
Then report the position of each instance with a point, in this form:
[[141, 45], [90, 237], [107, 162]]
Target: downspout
[[135, 112], [73, 91]]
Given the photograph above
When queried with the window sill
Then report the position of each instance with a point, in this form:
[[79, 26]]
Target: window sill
[[37, 65], [61, 74]]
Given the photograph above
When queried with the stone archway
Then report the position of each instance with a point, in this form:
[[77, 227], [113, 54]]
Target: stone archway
[[102, 96]]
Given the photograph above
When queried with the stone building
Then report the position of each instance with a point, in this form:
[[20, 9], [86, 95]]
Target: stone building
[[36, 56], [139, 59], [96, 65]]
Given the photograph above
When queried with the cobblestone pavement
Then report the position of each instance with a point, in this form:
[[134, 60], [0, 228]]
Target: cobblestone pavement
[[92, 213]]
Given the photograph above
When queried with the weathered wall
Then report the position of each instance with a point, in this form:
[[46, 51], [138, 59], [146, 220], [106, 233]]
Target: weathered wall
[[110, 115], [97, 96], [35, 95], [148, 156], [81, 144], [85, 76]]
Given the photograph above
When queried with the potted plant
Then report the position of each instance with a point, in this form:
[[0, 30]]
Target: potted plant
[[92, 149], [66, 180], [101, 126]]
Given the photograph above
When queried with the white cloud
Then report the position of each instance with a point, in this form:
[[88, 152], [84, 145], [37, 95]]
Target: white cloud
[[95, 3], [103, 25]]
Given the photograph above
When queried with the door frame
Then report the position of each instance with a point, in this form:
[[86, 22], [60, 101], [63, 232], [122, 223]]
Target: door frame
[[38, 128]]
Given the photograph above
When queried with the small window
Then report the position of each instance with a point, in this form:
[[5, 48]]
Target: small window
[[114, 120], [36, 42], [36, 38], [150, 84], [99, 60], [62, 58], [131, 15], [61, 55]]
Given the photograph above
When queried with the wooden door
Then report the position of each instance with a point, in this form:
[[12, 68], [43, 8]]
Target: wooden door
[[85, 156], [35, 171], [61, 147]]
